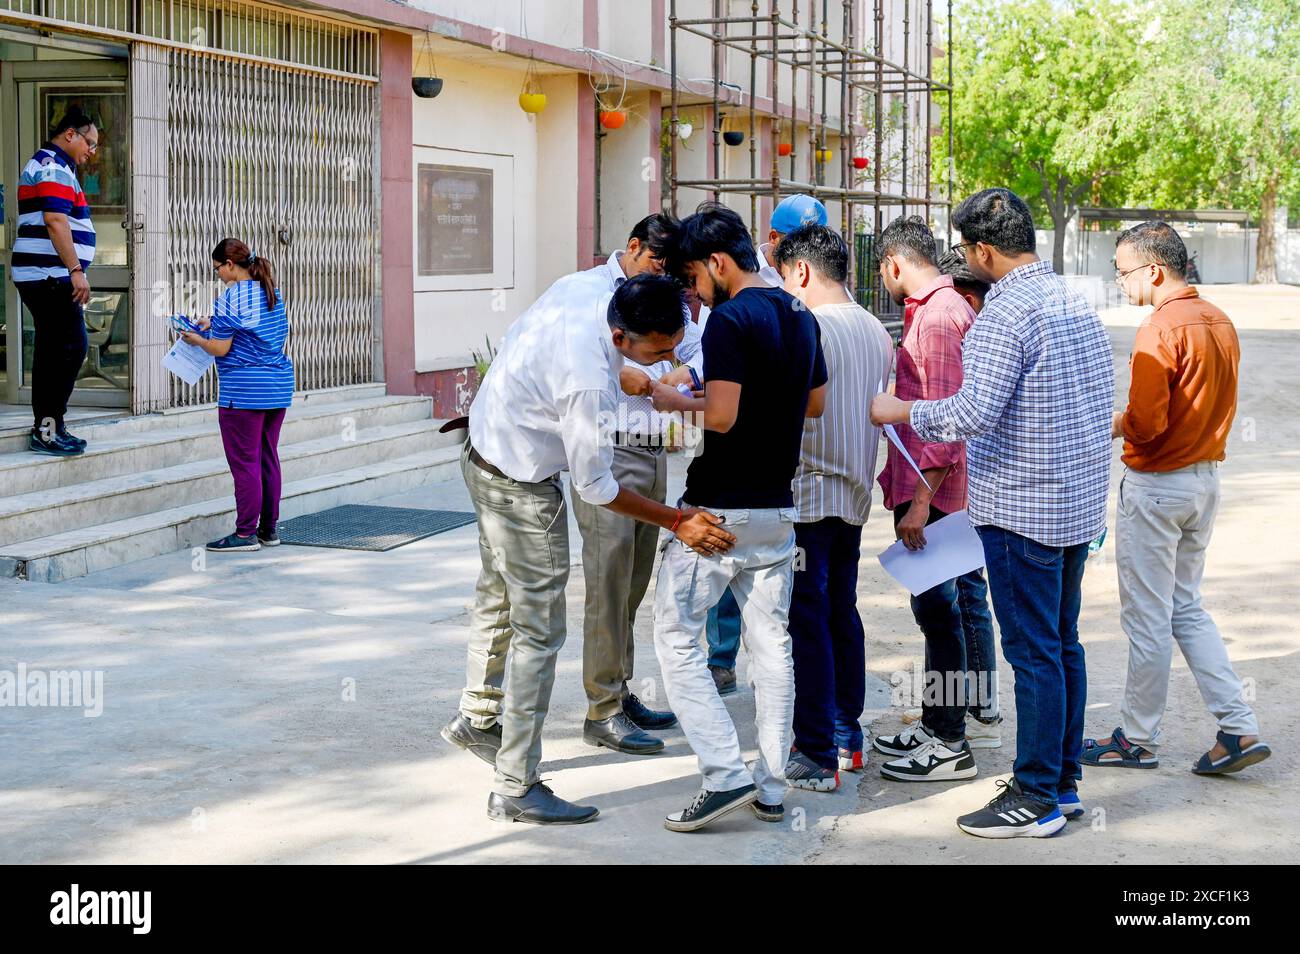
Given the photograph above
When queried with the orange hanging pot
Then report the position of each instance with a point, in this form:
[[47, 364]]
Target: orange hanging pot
[[784, 148], [613, 118]]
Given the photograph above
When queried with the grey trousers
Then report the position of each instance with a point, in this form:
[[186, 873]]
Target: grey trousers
[[618, 556], [523, 542], [1163, 528]]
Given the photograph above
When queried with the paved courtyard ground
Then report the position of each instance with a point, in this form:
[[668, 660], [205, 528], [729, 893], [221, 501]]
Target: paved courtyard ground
[[283, 706]]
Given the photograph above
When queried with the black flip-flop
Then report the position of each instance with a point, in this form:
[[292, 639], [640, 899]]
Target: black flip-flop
[[1236, 759], [1129, 754]]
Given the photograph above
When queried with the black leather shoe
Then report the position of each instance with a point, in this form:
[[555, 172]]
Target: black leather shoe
[[538, 806], [621, 734], [646, 718], [481, 742]]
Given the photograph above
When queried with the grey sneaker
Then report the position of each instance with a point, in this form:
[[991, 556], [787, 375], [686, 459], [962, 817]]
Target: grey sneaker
[[803, 772], [724, 679]]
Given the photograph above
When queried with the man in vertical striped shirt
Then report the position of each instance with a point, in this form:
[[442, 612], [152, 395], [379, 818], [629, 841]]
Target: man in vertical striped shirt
[[54, 247], [51, 252], [832, 494]]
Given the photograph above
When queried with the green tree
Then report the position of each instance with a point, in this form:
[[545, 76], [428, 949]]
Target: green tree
[[1214, 117], [1028, 78]]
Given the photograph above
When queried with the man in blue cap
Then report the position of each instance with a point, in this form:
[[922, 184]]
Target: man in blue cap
[[723, 624]]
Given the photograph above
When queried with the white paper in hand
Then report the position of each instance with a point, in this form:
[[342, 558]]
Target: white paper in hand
[[952, 548], [898, 442], [188, 362]]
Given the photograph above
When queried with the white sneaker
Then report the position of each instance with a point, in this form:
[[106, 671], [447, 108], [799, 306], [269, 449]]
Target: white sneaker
[[903, 744], [935, 761], [983, 735]]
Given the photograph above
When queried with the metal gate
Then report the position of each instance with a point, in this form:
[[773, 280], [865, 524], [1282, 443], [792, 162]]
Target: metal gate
[[284, 160]]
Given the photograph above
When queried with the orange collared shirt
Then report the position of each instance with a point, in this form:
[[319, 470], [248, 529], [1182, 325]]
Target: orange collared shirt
[[1183, 389]]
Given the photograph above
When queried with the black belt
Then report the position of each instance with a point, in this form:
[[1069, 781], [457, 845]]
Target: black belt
[[645, 441]]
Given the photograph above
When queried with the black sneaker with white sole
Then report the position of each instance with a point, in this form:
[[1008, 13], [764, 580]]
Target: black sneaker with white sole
[[268, 538], [710, 806], [935, 761], [905, 743], [803, 772], [768, 813], [1013, 814], [234, 544]]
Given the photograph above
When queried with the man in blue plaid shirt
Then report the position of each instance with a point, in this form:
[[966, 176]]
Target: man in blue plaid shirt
[[1035, 408]]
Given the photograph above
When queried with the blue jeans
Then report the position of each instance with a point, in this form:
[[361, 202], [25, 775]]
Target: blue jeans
[[722, 629], [981, 656], [1036, 592], [826, 639]]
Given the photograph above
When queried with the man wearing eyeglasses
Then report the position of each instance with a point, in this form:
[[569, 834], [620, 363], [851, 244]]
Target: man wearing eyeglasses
[[54, 247], [1181, 403]]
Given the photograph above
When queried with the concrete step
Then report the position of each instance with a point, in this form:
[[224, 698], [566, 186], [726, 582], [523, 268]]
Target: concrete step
[[74, 553], [150, 442], [117, 424], [76, 506]]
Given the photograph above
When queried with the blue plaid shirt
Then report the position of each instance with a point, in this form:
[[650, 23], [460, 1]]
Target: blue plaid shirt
[[1035, 408]]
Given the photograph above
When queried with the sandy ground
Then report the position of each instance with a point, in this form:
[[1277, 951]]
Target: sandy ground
[[284, 706]]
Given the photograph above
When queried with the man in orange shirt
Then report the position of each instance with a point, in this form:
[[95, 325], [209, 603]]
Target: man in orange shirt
[[1182, 398]]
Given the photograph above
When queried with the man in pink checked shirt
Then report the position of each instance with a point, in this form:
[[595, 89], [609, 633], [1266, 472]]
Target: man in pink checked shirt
[[959, 705]]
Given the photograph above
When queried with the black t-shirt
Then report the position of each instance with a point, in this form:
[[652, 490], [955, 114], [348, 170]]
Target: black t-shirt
[[768, 343]]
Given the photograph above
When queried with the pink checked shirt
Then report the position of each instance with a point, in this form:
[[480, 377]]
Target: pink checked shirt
[[927, 368]]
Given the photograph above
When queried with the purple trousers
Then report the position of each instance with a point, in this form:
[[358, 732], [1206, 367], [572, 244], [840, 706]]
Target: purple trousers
[[252, 440]]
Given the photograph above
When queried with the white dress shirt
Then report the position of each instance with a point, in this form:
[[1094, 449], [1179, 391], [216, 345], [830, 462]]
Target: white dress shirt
[[552, 390], [636, 415]]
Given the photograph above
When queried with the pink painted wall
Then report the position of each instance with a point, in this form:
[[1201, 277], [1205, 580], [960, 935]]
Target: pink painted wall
[[397, 267]]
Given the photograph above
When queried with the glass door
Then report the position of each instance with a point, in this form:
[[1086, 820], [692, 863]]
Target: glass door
[[36, 93]]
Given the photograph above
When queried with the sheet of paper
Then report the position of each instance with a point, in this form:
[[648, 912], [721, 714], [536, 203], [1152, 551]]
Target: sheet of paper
[[898, 442], [952, 548], [188, 362]]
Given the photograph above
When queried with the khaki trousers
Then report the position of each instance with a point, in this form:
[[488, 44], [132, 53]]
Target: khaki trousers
[[618, 556], [523, 542]]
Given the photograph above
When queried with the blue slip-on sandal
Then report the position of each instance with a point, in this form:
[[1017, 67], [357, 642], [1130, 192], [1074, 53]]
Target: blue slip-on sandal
[[1130, 755], [1236, 759]]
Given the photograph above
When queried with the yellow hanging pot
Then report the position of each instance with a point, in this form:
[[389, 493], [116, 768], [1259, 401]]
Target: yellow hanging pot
[[532, 102]]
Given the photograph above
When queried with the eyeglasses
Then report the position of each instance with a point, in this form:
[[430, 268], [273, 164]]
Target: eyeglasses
[[91, 144], [960, 248], [1120, 276]]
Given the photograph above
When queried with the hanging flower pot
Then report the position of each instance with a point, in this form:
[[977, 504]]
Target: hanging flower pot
[[823, 155], [531, 97], [684, 130], [427, 87], [613, 118], [733, 137], [784, 148], [861, 162]]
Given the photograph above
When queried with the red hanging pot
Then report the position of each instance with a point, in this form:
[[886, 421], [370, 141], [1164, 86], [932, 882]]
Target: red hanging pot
[[783, 148], [861, 162]]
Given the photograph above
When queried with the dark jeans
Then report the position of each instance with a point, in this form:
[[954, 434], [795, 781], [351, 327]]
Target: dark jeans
[[958, 628], [58, 350], [722, 630], [826, 640], [1036, 591]]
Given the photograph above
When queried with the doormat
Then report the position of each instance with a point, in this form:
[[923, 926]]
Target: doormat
[[364, 527]]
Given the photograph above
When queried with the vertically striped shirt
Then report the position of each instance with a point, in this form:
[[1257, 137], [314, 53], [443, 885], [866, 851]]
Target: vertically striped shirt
[[1035, 406], [838, 458], [255, 374], [49, 184]]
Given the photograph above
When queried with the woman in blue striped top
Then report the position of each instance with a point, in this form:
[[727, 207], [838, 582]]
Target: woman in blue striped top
[[246, 334]]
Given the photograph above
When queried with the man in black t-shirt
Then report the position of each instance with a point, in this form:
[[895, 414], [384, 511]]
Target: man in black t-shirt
[[763, 374]]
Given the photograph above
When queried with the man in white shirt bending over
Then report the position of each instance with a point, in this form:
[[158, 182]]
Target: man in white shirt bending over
[[547, 402]]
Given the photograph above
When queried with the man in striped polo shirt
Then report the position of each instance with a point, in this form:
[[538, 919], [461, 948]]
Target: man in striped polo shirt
[[54, 247], [832, 493]]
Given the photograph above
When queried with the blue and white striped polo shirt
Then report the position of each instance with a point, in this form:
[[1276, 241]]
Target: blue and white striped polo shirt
[[49, 184], [255, 374]]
